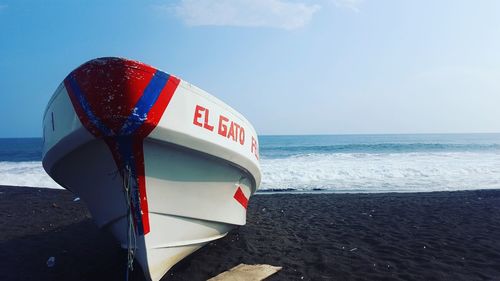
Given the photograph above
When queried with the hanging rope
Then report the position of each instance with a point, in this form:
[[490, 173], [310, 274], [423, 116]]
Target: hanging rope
[[128, 185]]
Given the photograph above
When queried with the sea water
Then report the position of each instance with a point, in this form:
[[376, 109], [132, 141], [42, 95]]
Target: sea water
[[20, 163], [331, 163], [381, 163]]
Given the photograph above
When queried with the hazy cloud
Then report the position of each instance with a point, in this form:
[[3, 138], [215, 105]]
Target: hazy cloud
[[453, 75], [249, 13], [354, 5], [3, 7]]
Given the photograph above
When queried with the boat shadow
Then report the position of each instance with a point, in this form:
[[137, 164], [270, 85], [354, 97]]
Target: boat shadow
[[81, 252], [84, 252]]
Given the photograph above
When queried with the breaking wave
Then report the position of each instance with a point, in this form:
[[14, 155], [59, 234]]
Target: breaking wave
[[383, 172], [25, 174]]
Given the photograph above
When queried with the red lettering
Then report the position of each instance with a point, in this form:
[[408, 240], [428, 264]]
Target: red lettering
[[227, 128], [205, 124], [242, 135], [197, 115], [236, 132], [231, 131], [254, 148], [222, 126]]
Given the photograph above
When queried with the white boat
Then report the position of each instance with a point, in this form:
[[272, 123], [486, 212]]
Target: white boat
[[164, 165]]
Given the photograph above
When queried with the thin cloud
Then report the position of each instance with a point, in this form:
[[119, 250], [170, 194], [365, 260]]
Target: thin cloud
[[354, 5], [3, 7], [246, 13]]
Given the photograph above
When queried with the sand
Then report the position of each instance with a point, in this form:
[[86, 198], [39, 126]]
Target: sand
[[419, 236]]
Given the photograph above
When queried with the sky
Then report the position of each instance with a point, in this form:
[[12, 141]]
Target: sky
[[289, 66]]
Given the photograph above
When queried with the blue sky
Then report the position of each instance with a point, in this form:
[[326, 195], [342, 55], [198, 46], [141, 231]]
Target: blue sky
[[289, 66]]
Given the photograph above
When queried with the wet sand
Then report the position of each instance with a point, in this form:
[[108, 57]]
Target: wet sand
[[419, 236]]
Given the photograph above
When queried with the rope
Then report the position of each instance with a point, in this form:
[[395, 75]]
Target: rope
[[128, 181]]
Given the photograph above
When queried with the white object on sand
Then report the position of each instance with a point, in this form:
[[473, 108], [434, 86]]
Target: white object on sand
[[245, 272], [161, 163], [51, 262]]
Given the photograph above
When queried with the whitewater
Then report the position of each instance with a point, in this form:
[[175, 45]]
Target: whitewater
[[335, 163]]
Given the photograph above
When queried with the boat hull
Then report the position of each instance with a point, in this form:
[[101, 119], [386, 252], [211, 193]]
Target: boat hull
[[194, 189]]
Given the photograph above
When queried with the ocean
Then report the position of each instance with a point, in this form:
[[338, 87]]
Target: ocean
[[331, 163]]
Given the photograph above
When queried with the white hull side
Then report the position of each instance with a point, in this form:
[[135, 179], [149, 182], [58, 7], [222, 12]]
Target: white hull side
[[190, 198]]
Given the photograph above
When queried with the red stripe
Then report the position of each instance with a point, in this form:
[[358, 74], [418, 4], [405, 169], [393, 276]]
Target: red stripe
[[156, 112], [138, 151], [154, 116], [241, 198]]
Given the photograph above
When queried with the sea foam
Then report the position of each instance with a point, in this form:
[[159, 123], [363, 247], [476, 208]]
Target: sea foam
[[25, 174], [384, 172]]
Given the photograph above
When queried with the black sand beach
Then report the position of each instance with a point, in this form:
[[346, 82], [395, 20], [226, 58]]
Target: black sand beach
[[420, 236]]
